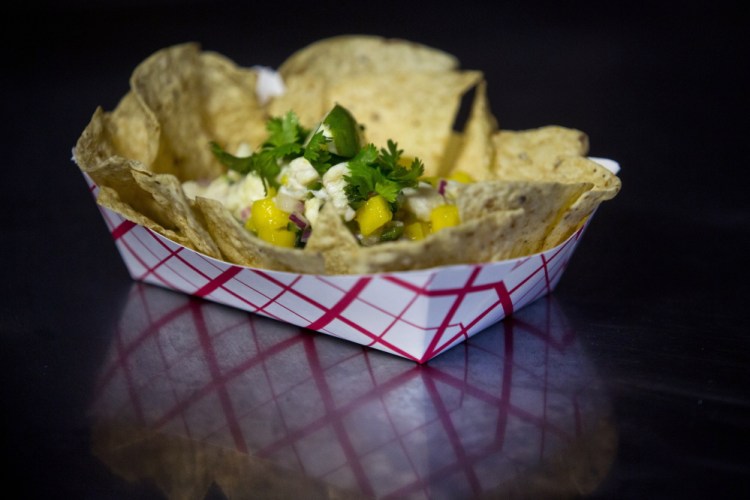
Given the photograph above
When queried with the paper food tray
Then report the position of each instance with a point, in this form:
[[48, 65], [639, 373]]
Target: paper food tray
[[413, 314]]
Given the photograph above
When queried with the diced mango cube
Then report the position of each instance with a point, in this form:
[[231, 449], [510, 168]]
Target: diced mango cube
[[444, 216], [266, 215], [461, 177], [432, 180], [374, 214], [270, 223], [280, 237], [417, 230]]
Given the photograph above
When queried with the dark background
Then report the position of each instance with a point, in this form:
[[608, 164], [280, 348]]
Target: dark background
[[658, 289]]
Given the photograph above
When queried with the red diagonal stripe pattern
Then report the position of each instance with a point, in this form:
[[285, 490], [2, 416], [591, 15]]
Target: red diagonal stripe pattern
[[415, 315], [224, 378]]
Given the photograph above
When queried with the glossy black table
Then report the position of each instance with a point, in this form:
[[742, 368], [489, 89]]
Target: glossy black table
[[629, 381]]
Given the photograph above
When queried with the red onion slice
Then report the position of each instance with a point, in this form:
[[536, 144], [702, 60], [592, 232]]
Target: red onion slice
[[441, 187], [299, 220], [305, 234], [245, 213]]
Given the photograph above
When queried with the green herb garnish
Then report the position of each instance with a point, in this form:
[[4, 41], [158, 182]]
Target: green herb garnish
[[380, 173], [316, 152], [371, 171], [285, 140]]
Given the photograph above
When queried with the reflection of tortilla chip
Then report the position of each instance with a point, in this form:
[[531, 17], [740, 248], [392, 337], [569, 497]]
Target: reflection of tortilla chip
[[338, 56], [239, 246], [183, 468], [417, 109]]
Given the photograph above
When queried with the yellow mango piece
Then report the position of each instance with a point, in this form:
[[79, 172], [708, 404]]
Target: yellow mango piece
[[374, 214], [444, 216], [431, 179], [416, 230], [280, 237], [461, 177], [250, 225], [266, 215]]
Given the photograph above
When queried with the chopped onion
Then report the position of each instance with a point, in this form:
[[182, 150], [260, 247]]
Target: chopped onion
[[288, 203], [305, 234], [245, 213], [299, 220]]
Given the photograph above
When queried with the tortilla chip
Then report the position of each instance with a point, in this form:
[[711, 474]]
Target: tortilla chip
[[477, 149], [605, 186], [417, 110], [303, 95], [133, 131], [95, 145], [344, 55], [125, 188], [332, 239], [168, 83], [231, 109], [110, 199], [167, 193], [536, 186], [494, 236], [96, 155], [543, 204], [516, 151], [309, 72], [239, 246]]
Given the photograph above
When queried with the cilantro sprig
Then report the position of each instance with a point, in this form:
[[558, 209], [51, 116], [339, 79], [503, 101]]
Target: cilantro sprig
[[316, 152], [380, 173], [371, 172]]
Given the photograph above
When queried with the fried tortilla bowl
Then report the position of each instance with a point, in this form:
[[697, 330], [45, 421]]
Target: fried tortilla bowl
[[535, 187]]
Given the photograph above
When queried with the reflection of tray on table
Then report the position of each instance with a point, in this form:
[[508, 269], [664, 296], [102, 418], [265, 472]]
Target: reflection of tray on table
[[194, 393]]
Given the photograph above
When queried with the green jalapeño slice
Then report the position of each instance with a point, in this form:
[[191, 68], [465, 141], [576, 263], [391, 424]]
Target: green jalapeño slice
[[342, 128]]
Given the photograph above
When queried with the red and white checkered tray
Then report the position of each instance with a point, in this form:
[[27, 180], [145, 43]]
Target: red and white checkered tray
[[413, 314]]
